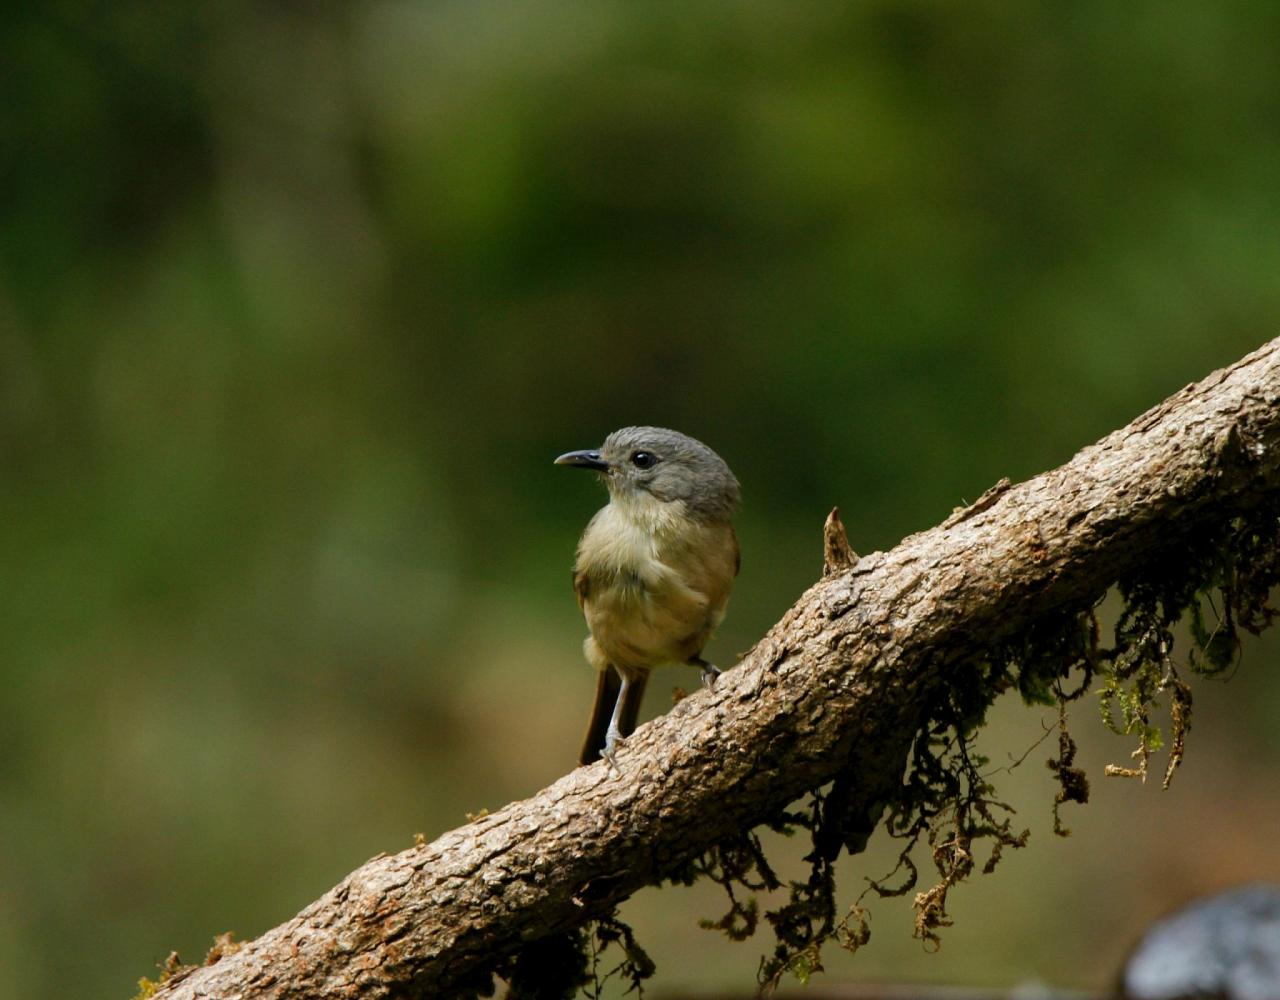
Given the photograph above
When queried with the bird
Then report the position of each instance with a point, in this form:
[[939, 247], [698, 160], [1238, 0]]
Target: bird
[[654, 569]]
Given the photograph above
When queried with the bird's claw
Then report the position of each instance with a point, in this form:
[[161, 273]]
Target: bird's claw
[[709, 674], [610, 752]]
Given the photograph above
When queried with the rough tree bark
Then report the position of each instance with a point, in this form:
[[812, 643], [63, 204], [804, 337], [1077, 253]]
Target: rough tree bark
[[832, 688]]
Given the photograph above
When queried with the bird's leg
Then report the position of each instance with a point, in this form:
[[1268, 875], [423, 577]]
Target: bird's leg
[[709, 671], [613, 736]]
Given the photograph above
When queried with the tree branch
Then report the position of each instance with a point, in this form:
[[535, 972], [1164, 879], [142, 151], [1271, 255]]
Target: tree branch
[[832, 689]]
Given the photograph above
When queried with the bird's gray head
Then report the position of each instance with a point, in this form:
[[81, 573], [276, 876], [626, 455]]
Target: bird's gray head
[[663, 464]]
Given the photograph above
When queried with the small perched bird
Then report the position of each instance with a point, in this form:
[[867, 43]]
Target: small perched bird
[[654, 568]]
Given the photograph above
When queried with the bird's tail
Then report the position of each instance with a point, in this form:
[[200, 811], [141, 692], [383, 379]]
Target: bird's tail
[[608, 685]]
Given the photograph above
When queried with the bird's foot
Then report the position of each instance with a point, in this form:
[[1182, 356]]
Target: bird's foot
[[709, 674], [612, 741]]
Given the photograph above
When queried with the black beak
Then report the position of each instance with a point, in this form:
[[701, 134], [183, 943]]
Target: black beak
[[584, 460]]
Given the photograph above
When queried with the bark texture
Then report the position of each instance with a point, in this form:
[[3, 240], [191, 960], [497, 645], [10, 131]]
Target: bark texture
[[833, 688]]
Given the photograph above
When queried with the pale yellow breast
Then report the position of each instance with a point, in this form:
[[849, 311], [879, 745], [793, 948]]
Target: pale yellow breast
[[656, 582]]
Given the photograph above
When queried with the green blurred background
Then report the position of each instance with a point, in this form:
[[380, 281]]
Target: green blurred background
[[298, 302]]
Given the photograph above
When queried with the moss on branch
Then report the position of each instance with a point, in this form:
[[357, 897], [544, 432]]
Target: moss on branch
[[1216, 583]]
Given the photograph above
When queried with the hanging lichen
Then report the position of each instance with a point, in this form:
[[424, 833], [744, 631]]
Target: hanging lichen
[[1217, 583]]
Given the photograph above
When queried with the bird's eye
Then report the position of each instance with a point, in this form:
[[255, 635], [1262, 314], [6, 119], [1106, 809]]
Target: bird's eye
[[643, 459]]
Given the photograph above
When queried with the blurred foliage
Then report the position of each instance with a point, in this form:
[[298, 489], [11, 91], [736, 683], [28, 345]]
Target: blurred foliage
[[297, 302]]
